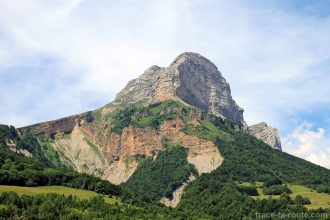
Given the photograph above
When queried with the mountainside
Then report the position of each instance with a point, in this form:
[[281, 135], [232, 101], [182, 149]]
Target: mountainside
[[110, 145], [174, 135]]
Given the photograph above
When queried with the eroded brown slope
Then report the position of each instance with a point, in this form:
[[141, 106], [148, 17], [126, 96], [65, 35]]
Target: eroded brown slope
[[114, 156]]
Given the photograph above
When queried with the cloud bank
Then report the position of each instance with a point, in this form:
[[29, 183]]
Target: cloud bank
[[310, 144]]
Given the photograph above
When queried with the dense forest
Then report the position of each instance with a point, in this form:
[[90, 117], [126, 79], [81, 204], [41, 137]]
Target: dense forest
[[160, 177]]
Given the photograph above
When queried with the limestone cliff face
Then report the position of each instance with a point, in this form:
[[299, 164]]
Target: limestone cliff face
[[190, 78], [267, 134]]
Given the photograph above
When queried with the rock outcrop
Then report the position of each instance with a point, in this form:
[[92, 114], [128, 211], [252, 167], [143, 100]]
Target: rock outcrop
[[62, 125], [267, 134], [13, 147], [190, 78], [177, 194]]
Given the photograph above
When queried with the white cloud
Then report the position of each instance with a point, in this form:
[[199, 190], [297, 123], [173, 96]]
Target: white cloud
[[312, 145]]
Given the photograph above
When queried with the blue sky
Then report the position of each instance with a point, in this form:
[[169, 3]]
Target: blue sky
[[63, 57]]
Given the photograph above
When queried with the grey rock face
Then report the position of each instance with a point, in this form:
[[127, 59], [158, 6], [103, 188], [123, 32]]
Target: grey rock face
[[62, 125], [267, 134], [190, 78]]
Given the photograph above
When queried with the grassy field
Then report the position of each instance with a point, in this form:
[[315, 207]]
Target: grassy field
[[207, 131], [82, 194], [257, 184], [318, 200]]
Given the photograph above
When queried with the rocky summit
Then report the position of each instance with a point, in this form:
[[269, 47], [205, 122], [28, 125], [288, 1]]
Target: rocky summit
[[194, 80], [191, 78]]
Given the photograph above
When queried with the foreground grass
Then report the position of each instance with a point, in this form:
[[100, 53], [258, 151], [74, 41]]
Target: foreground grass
[[81, 194], [318, 200]]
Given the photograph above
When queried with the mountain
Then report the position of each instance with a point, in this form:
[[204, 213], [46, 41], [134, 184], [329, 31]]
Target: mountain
[[175, 135], [87, 142]]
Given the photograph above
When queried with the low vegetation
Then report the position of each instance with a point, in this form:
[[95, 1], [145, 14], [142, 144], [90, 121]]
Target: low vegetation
[[147, 116]]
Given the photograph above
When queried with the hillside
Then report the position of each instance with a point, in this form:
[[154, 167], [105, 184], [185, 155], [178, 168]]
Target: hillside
[[173, 136]]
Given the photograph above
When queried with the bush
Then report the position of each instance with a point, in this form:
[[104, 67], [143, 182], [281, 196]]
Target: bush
[[272, 180], [325, 188], [276, 190], [302, 200], [249, 190]]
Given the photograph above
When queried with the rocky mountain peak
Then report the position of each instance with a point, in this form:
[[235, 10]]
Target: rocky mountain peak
[[191, 57], [190, 78], [267, 134]]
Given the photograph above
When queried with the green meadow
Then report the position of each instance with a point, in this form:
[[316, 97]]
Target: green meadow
[[62, 190]]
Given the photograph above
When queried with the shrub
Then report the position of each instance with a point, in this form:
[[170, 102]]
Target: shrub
[[276, 190], [302, 200], [272, 180], [249, 190]]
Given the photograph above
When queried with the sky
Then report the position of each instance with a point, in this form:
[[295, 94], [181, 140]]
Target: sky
[[64, 57]]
